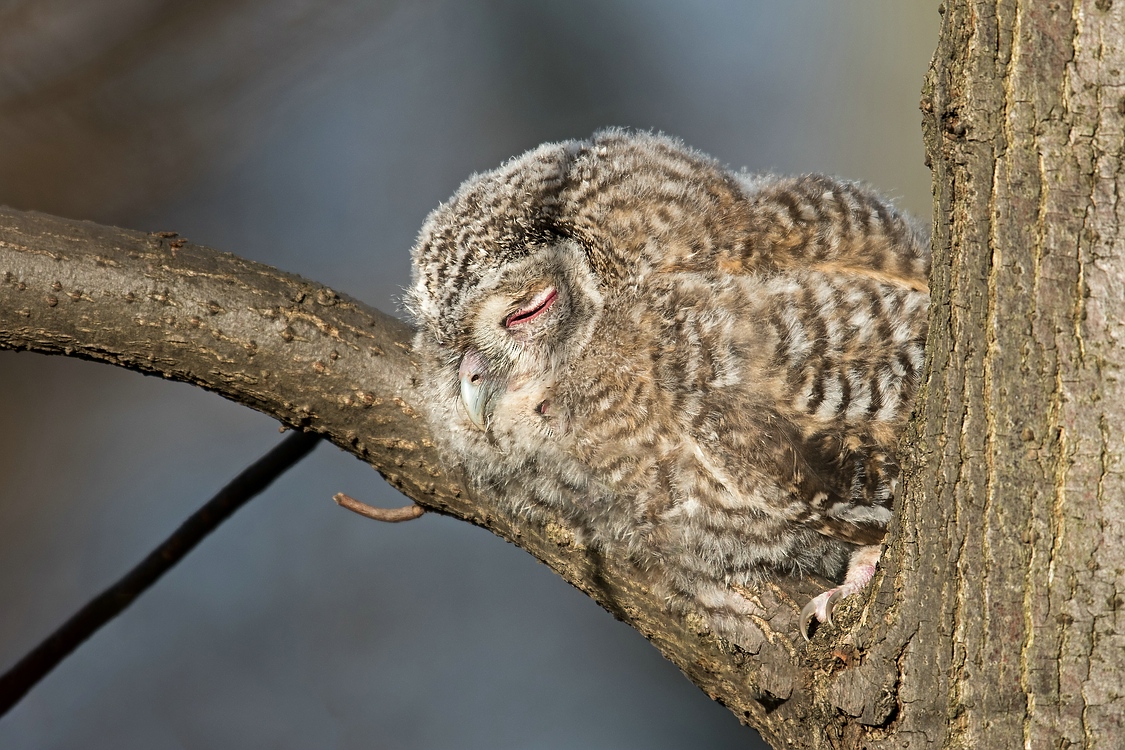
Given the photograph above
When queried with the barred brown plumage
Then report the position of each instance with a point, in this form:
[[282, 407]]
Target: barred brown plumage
[[704, 369]]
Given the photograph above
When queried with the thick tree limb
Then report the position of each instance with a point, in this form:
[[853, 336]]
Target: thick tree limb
[[319, 361], [26, 673]]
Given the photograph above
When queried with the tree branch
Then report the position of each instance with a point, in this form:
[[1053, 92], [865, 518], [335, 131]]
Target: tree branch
[[26, 674], [322, 362]]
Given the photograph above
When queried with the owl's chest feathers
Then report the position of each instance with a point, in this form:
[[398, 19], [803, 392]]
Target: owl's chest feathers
[[674, 407], [761, 397], [738, 423]]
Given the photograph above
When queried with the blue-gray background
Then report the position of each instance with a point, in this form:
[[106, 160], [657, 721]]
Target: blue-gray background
[[315, 136]]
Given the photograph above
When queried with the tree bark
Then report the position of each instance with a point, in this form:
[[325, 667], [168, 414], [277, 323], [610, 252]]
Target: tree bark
[[1017, 509], [993, 620]]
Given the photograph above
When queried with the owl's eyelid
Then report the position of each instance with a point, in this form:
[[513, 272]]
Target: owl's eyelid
[[538, 305]]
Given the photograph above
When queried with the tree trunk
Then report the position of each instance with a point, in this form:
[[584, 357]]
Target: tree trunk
[[992, 622], [1017, 510]]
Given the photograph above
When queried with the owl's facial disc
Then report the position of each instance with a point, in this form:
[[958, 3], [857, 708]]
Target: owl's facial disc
[[523, 326], [478, 388]]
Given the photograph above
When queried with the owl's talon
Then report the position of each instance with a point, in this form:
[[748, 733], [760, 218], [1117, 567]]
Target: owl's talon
[[837, 594], [818, 608], [808, 612], [860, 570]]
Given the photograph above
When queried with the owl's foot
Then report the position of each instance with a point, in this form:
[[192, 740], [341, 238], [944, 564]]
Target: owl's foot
[[860, 570]]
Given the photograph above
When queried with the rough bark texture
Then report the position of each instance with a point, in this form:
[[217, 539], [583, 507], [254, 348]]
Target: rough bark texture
[[993, 621], [1018, 509]]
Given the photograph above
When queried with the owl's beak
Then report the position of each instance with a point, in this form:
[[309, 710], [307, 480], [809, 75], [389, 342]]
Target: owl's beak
[[477, 388]]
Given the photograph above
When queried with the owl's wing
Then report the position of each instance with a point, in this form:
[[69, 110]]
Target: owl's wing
[[820, 223], [838, 483], [642, 204], [844, 493], [806, 376]]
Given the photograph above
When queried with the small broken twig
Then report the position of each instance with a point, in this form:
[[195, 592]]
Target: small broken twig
[[387, 515]]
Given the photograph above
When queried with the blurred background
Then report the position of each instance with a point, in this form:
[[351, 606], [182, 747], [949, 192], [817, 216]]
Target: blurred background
[[315, 136]]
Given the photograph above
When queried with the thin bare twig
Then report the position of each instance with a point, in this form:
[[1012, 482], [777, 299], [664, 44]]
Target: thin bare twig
[[37, 664], [387, 515]]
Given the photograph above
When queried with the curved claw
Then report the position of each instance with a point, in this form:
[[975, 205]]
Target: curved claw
[[830, 605], [808, 612], [817, 610], [860, 570], [820, 608]]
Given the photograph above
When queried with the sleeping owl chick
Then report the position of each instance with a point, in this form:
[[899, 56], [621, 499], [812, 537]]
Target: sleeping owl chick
[[706, 370]]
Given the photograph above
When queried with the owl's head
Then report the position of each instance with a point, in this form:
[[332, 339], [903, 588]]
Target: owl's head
[[503, 296], [510, 275], [519, 331]]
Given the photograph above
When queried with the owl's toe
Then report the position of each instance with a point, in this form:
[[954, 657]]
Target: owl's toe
[[860, 570], [820, 609], [834, 596]]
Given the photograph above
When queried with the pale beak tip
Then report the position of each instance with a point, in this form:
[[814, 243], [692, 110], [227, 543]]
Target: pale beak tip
[[471, 400], [473, 391]]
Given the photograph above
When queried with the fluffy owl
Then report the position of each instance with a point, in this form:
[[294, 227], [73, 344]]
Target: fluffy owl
[[706, 370]]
